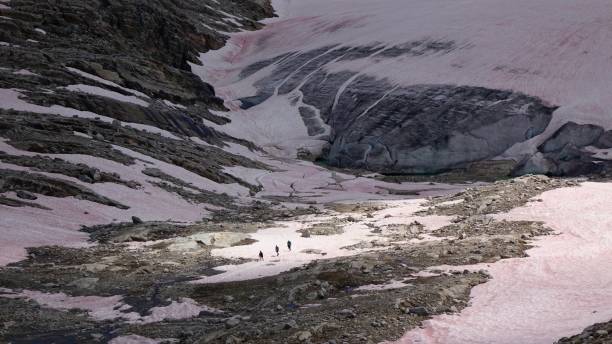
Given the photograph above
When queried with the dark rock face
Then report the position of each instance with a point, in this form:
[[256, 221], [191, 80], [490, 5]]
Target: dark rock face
[[409, 129], [55, 135], [600, 333], [429, 128], [146, 46]]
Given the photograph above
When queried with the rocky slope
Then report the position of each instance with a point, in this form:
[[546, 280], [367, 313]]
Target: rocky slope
[[128, 60], [92, 90]]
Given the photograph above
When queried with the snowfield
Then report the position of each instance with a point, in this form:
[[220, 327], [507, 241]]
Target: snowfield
[[561, 288], [305, 250]]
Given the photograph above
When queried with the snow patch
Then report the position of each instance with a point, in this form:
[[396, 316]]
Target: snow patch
[[393, 284], [28, 227], [24, 72], [101, 308], [98, 91], [106, 82], [173, 105]]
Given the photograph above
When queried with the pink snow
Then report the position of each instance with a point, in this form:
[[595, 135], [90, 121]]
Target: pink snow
[[196, 180], [30, 227], [10, 99], [98, 308], [101, 308], [309, 182], [562, 287]]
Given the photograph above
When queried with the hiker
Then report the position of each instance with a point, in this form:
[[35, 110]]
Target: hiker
[[289, 245], [277, 249], [261, 255]]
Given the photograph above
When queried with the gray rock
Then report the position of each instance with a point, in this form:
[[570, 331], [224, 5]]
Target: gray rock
[[84, 283], [11, 180], [291, 324], [421, 311], [85, 178], [96, 175], [136, 220], [565, 152], [95, 267], [347, 313], [26, 195], [232, 322]]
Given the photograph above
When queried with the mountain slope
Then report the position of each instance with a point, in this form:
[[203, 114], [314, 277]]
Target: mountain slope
[[188, 171]]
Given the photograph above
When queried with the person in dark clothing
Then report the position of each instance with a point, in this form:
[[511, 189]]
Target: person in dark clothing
[[289, 245], [260, 255], [277, 251]]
